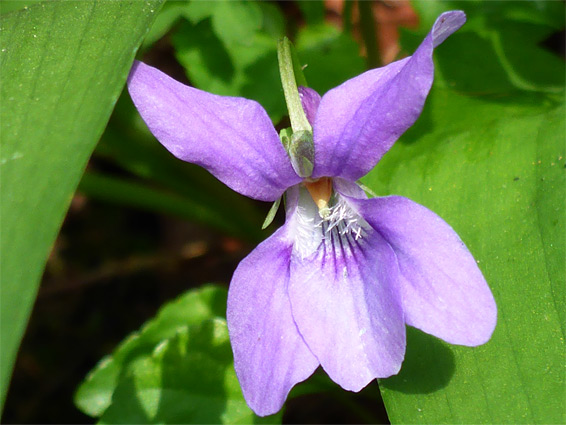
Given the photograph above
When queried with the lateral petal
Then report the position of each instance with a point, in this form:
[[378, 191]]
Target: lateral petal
[[270, 355], [231, 137], [344, 300], [358, 121], [444, 292]]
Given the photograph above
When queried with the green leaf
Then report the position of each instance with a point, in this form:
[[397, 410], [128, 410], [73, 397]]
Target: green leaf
[[168, 16], [495, 172], [312, 10], [94, 395], [544, 12], [501, 41], [331, 56], [492, 164], [177, 369], [238, 57], [7, 6], [63, 67], [188, 378]]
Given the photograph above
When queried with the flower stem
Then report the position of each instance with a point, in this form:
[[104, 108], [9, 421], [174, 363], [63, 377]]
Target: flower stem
[[347, 16], [367, 27], [297, 115]]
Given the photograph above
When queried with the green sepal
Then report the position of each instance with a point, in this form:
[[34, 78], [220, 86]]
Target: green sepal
[[366, 189], [300, 148], [287, 69], [271, 214], [285, 136], [301, 152]]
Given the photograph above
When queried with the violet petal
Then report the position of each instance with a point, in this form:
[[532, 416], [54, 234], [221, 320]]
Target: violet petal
[[231, 137], [344, 300], [444, 292], [358, 121], [270, 355], [310, 100]]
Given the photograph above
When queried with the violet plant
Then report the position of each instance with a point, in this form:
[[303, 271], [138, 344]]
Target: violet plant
[[337, 283]]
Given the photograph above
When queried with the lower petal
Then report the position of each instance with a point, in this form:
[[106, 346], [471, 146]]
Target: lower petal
[[444, 291], [344, 301], [270, 356]]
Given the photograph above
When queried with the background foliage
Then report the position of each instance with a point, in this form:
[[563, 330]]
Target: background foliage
[[487, 154]]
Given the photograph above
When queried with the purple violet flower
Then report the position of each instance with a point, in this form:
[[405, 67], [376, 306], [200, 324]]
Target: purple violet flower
[[336, 284]]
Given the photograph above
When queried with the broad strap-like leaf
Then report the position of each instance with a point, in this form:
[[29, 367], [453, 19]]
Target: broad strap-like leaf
[[496, 174], [63, 66]]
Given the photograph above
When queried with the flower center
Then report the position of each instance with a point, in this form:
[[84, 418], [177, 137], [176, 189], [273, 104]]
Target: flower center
[[326, 218], [320, 191]]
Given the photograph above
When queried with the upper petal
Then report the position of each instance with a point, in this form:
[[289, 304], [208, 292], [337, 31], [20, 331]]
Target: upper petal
[[270, 356], [444, 291], [344, 300], [231, 137], [358, 121], [310, 100]]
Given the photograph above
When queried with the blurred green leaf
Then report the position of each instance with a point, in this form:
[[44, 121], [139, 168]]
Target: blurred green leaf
[[148, 196], [177, 369], [168, 16], [229, 48], [312, 10], [494, 168], [236, 22], [63, 67], [529, 67], [331, 56], [94, 395], [188, 378], [502, 42], [548, 13]]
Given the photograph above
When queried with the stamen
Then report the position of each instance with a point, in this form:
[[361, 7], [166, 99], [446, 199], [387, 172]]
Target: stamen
[[340, 228]]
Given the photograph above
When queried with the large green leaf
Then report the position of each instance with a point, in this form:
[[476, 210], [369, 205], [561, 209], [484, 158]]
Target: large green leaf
[[488, 155], [495, 172], [63, 67], [8, 6]]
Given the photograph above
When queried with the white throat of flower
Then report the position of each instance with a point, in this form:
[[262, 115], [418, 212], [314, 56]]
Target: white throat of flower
[[333, 224]]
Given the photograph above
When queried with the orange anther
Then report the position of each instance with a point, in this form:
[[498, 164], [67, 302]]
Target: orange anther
[[321, 191]]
